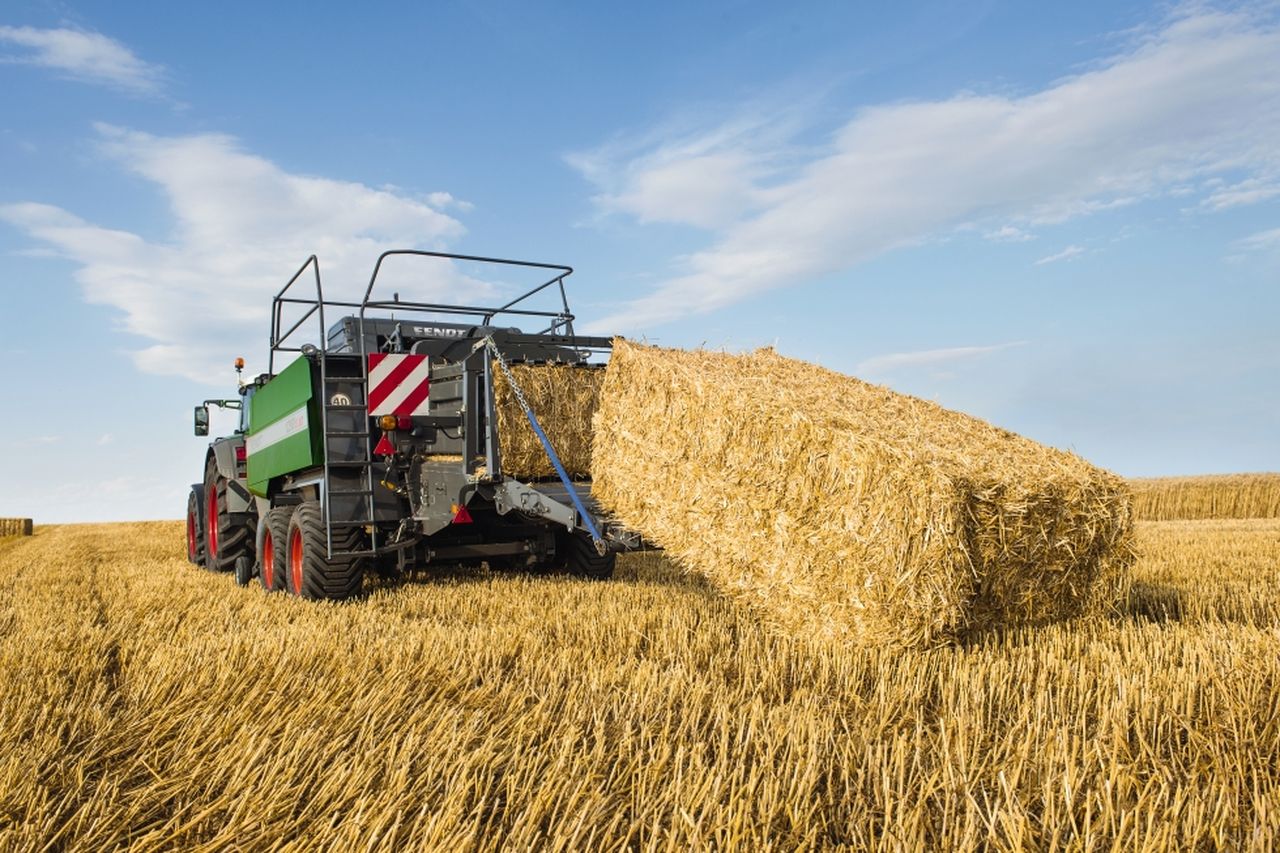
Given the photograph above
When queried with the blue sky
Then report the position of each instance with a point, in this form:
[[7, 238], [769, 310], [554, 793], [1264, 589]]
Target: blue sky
[[1063, 218]]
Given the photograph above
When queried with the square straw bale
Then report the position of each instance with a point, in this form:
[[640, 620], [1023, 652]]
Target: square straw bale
[[563, 398], [841, 509]]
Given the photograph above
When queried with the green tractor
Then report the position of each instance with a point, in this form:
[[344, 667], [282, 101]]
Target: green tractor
[[378, 448]]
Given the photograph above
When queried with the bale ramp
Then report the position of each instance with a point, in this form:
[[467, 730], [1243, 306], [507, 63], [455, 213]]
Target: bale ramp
[[840, 509]]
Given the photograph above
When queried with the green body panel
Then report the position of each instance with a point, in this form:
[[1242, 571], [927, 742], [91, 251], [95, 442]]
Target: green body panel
[[284, 427]]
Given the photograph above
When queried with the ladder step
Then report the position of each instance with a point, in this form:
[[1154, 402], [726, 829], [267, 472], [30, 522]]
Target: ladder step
[[355, 553], [344, 407], [359, 522], [350, 463], [349, 492], [347, 433]]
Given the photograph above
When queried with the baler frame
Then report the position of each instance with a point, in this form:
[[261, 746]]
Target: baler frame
[[477, 422]]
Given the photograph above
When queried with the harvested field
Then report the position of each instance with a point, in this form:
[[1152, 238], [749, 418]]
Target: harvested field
[[16, 527], [840, 509], [564, 399], [1218, 496], [149, 704]]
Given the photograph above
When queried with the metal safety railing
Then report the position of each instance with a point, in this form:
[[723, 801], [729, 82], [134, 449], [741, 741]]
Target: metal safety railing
[[560, 322]]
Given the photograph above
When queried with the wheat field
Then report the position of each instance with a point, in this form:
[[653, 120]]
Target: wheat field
[[1211, 496], [148, 704]]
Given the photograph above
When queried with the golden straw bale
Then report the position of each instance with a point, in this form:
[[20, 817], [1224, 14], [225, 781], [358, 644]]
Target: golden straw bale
[[564, 399], [15, 527], [844, 509], [1212, 496]]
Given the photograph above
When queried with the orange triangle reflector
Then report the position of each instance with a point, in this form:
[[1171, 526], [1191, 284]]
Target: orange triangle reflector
[[460, 515], [385, 447]]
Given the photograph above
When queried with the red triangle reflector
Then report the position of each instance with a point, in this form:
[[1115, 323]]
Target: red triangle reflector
[[461, 516], [385, 447]]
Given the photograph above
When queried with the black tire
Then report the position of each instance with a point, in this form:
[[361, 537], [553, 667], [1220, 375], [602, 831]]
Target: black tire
[[582, 558], [244, 570], [225, 540], [195, 526], [273, 555], [312, 575]]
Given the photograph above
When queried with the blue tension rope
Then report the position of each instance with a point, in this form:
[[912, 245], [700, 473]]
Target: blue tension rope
[[564, 477]]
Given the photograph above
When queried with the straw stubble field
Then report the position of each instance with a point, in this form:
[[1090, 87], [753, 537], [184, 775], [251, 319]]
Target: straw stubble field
[[147, 703]]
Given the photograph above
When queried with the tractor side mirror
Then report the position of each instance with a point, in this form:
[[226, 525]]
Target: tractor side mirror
[[202, 420]]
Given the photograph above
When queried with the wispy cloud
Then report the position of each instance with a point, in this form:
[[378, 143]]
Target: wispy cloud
[[706, 179], [882, 364], [1065, 255], [85, 56], [1250, 191], [1009, 234], [1196, 97], [241, 226], [1261, 240], [40, 441]]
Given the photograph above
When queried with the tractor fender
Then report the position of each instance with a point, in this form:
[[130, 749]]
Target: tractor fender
[[223, 452]]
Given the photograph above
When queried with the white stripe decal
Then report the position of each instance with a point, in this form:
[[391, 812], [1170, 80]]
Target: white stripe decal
[[381, 370], [290, 425], [406, 387]]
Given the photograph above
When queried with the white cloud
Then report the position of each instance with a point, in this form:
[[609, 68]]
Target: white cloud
[[1250, 191], [1065, 255], [1009, 234], [242, 226], [1261, 240], [85, 56], [707, 180], [443, 201], [882, 364], [1196, 98], [40, 440]]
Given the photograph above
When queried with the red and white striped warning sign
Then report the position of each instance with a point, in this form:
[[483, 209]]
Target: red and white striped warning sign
[[398, 384]]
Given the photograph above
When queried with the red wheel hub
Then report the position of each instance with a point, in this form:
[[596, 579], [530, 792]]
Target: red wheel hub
[[295, 561], [191, 536], [268, 562], [211, 522]]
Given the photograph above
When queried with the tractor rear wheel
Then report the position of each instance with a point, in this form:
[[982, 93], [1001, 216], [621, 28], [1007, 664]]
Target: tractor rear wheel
[[195, 525], [274, 558], [225, 540], [583, 559], [312, 574]]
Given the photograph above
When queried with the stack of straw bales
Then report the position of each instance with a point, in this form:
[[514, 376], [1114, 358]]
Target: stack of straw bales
[[564, 399], [15, 527], [845, 510]]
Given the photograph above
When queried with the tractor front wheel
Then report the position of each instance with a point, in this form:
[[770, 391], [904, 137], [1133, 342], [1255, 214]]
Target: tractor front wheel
[[225, 541], [312, 574], [195, 526]]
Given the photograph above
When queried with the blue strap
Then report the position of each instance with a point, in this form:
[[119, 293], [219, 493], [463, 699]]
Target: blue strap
[[564, 477]]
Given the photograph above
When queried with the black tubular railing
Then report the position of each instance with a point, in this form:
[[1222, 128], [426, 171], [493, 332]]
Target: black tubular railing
[[561, 321], [560, 324]]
